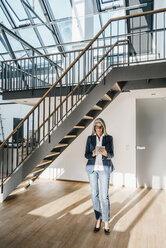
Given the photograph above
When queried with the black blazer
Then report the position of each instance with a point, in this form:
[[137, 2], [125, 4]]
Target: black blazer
[[107, 162]]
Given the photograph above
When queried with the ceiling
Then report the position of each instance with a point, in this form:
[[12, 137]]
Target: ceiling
[[31, 27]]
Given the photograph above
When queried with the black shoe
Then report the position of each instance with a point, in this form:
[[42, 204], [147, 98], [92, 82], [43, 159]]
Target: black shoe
[[96, 229], [107, 231]]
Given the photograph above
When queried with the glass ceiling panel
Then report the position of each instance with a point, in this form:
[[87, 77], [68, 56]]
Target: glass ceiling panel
[[15, 44], [38, 9], [6, 57], [35, 5], [30, 36], [2, 48], [46, 35], [52, 50], [17, 10], [65, 30], [61, 9], [3, 19]]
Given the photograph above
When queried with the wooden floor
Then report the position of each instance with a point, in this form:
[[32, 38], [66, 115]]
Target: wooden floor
[[60, 214]]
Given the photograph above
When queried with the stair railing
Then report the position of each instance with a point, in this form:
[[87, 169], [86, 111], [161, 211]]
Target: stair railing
[[144, 30], [35, 72], [52, 109]]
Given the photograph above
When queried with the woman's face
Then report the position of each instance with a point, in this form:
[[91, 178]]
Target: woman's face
[[99, 128]]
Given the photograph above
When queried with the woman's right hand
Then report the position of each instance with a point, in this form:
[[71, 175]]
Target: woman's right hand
[[94, 153]]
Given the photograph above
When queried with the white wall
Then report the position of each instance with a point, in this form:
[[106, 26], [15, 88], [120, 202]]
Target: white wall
[[120, 120], [10, 111]]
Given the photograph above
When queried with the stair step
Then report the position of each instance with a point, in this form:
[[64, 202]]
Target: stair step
[[88, 117], [29, 179], [70, 136], [97, 107], [79, 127], [117, 85], [108, 97], [21, 188], [36, 171], [52, 154], [61, 145], [44, 162]]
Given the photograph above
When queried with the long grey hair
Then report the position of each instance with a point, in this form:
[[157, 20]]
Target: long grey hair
[[103, 124]]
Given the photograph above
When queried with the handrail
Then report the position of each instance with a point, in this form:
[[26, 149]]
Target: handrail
[[50, 54], [78, 57], [74, 89]]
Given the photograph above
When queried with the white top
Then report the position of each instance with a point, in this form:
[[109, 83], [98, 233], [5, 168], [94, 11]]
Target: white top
[[98, 162]]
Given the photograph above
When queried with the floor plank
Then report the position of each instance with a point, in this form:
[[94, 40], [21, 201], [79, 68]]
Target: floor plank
[[60, 214]]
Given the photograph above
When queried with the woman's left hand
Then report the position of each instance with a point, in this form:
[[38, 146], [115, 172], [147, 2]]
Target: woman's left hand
[[103, 152]]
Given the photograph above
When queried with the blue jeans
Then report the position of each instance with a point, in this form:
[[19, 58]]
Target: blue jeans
[[104, 191]]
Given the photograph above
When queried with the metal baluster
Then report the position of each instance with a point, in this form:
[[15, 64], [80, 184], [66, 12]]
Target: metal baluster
[[36, 73], [2, 166], [3, 76], [44, 70], [24, 75], [48, 76], [6, 87], [43, 118], [55, 105], [17, 147], [38, 122], [93, 73], [19, 72], [22, 140], [40, 85], [29, 86], [164, 34], [27, 144], [72, 80], [156, 37], [140, 54], [7, 158], [52, 72], [67, 78], [49, 120], [10, 76], [33, 119], [118, 44], [131, 45], [12, 155]]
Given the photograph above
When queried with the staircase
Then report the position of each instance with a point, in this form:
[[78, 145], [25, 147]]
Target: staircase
[[56, 120]]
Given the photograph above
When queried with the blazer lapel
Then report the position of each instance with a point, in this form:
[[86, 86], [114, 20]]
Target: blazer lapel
[[94, 140], [103, 141]]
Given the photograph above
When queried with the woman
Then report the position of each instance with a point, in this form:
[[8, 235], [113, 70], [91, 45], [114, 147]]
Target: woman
[[99, 151]]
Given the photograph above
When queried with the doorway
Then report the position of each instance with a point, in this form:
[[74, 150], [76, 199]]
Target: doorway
[[151, 143]]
